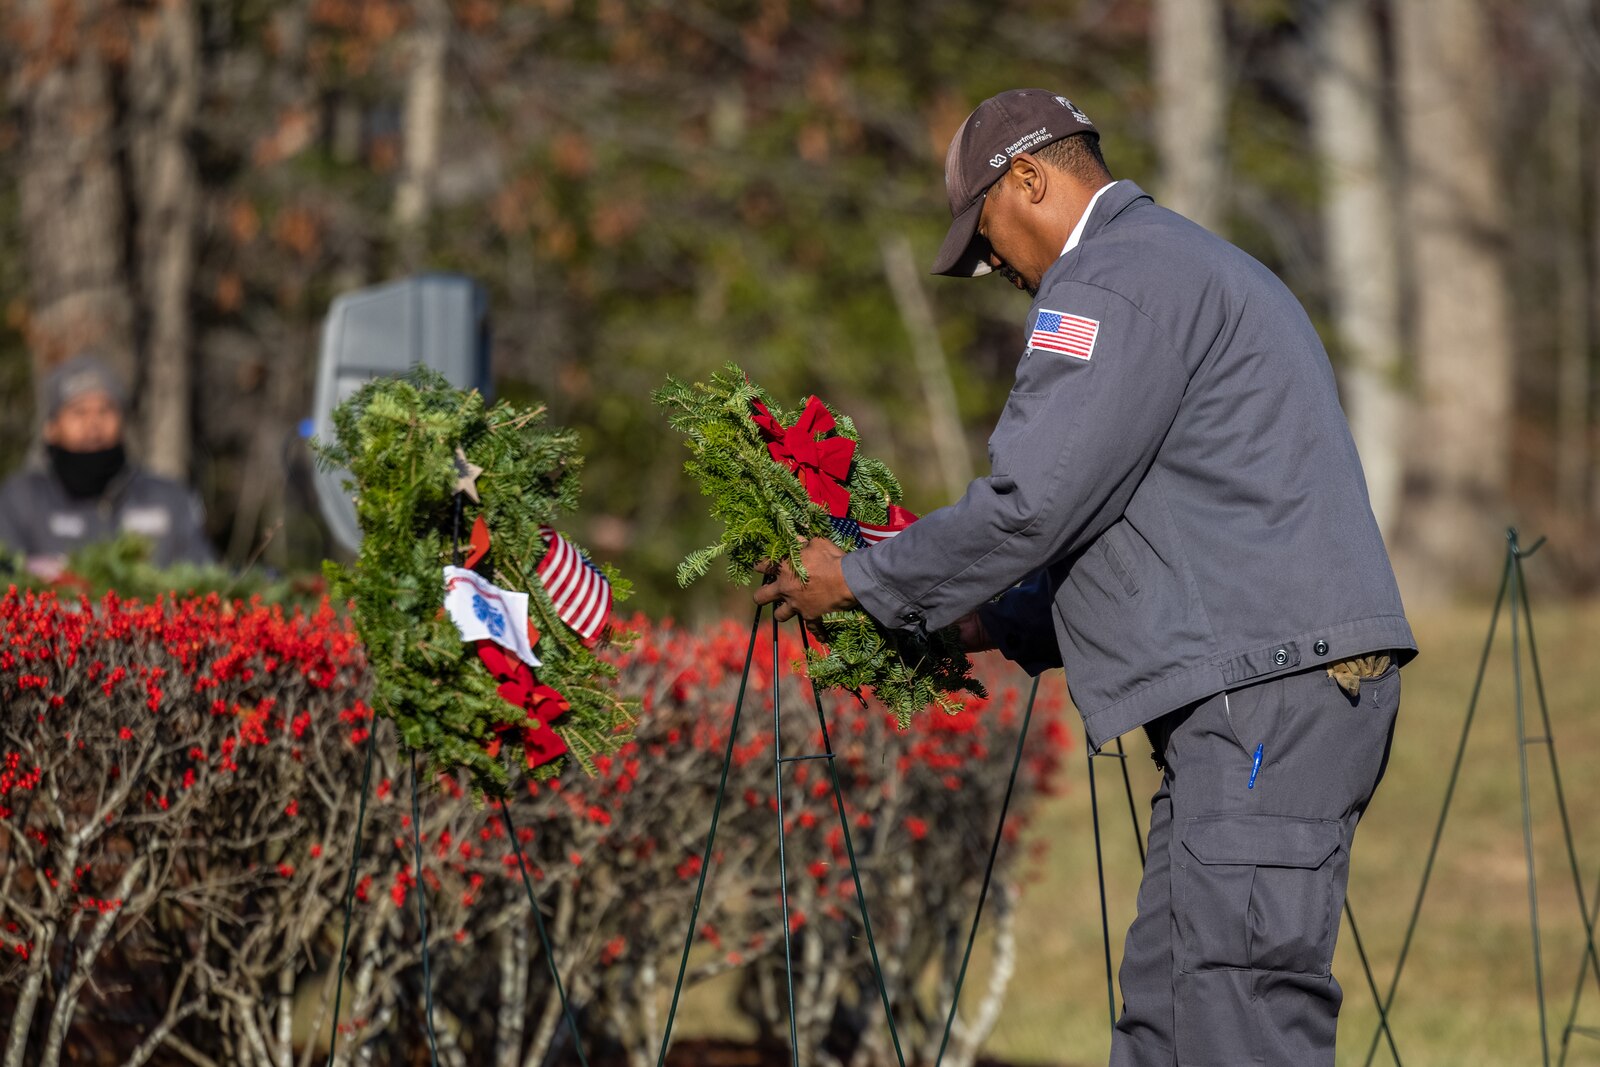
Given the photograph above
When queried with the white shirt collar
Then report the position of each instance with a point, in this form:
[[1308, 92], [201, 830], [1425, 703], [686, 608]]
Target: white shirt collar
[[1083, 220]]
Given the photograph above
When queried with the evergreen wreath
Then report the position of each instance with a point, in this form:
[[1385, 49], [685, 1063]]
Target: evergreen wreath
[[399, 440], [735, 433]]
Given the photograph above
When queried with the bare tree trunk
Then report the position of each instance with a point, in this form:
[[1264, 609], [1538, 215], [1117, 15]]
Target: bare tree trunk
[[163, 89], [1359, 222], [1594, 315], [357, 1046], [71, 194], [189, 1052], [285, 1035], [423, 124], [1461, 451], [28, 998], [1191, 70], [900, 891], [250, 1027], [944, 415], [513, 989], [560, 930], [66, 1006], [970, 1037], [1582, 22], [543, 1034], [1570, 148], [1573, 343], [180, 1006]]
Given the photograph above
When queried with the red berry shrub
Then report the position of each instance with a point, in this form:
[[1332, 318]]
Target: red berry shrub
[[168, 767], [179, 787]]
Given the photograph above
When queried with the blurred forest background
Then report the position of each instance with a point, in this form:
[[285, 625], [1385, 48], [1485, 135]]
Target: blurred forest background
[[649, 186]]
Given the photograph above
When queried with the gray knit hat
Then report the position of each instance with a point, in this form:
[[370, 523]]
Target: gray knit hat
[[82, 374]]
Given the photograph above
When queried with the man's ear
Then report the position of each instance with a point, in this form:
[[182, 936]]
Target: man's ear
[[1031, 176]]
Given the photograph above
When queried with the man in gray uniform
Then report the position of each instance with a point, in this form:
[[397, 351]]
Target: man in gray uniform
[[1177, 514], [80, 488]]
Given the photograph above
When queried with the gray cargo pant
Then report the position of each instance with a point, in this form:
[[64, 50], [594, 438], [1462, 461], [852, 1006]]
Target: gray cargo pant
[[1228, 961]]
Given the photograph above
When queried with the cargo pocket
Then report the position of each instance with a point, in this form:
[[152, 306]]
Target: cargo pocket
[[1258, 891]]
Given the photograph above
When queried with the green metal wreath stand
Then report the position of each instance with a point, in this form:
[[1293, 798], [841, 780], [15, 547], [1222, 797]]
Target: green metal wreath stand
[[779, 761], [1513, 593], [422, 912]]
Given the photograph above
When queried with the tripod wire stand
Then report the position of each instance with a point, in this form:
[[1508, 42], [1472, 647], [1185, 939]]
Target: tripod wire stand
[[1513, 593], [827, 756]]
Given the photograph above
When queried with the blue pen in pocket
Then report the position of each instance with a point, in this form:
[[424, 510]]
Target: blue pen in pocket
[[1255, 767]]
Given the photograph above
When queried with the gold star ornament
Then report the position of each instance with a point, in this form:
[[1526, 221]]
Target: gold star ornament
[[467, 472]]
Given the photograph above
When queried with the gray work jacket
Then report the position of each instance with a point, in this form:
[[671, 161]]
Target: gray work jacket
[[39, 518], [1176, 507]]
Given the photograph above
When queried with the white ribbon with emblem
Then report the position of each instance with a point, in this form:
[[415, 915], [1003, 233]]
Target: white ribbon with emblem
[[483, 611]]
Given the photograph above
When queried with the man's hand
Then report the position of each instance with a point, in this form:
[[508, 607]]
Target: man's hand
[[974, 635], [825, 591]]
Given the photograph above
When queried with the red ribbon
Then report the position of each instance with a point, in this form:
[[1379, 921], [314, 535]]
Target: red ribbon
[[900, 518], [820, 465], [540, 743], [479, 543]]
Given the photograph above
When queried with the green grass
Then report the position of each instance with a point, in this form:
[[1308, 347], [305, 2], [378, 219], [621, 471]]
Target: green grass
[[1467, 997]]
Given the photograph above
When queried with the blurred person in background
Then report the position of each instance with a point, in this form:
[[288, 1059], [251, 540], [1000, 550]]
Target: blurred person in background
[[80, 488]]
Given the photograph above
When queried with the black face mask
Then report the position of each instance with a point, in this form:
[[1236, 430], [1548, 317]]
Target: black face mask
[[86, 474]]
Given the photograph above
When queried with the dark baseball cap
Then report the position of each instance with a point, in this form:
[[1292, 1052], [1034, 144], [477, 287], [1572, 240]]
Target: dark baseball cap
[[1018, 120]]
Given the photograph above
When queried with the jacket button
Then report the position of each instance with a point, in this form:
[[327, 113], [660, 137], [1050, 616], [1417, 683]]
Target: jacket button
[[1320, 648], [1281, 656]]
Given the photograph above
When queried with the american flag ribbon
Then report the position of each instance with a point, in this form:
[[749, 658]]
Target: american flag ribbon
[[865, 533], [580, 593], [849, 529], [873, 534]]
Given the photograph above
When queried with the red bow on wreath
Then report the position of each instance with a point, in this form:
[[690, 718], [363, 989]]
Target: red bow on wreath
[[540, 743], [820, 465]]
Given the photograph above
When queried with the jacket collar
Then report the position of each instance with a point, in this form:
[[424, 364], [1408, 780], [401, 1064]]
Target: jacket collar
[[1107, 204], [1083, 219]]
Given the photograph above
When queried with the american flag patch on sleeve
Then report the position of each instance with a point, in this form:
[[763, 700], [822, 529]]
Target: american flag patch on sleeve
[[1057, 331]]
